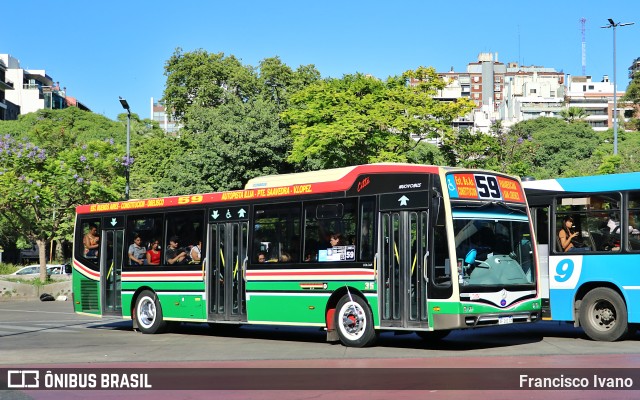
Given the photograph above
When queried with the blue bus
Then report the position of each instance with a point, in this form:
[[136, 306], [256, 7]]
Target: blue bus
[[588, 232]]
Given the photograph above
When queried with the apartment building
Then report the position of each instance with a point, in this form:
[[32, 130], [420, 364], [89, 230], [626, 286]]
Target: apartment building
[[8, 110], [159, 114], [596, 99], [507, 92], [31, 90]]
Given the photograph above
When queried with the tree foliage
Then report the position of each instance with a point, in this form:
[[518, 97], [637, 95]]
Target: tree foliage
[[359, 119], [50, 162]]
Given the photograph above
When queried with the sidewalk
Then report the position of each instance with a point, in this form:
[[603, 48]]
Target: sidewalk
[[16, 291]]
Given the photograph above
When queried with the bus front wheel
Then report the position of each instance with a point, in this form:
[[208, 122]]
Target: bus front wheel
[[603, 315], [354, 322], [149, 313]]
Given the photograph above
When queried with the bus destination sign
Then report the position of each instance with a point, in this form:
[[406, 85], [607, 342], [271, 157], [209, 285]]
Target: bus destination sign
[[484, 187]]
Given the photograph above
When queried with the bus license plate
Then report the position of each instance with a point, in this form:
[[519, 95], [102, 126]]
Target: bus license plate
[[505, 320]]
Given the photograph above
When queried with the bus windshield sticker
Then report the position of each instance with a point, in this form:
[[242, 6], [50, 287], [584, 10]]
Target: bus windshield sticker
[[338, 253]]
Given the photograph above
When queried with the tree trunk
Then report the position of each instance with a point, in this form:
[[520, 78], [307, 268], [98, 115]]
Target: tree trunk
[[42, 250]]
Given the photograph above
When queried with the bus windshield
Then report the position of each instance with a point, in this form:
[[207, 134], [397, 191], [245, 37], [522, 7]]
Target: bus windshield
[[493, 246]]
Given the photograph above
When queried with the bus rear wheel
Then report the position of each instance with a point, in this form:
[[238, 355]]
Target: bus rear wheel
[[148, 313], [603, 315], [354, 322]]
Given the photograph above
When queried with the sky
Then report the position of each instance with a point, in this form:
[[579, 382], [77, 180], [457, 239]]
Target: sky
[[100, 50]]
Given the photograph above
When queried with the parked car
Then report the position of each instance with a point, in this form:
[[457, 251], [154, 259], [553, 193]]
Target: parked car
[[34, 270]]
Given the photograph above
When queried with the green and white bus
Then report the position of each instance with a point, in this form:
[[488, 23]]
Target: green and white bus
[[415, 248]]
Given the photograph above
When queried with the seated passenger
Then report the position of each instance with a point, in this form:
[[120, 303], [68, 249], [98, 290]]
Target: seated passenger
[[137, 253], [567, 237], [153, 254], [175, 255], [196, 253], [262, 258], [337, 239]]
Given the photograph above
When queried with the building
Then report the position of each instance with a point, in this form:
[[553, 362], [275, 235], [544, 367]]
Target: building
[[32, 90], [635, 67], [158, 114], [506, 92], [531, 92], [8, 110], [596, 99]]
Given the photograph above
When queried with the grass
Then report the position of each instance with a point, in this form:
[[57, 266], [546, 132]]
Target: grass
[[6, 269]]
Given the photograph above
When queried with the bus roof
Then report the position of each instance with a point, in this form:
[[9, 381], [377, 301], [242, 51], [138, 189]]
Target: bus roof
[[583, 184], [324, 181], [330, 175]]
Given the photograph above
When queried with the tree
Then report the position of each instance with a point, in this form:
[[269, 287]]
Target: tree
[[572, 114], [201, 79], [225, 146], [46, 171], [632, 95], [468, 149], [557, 148], [359, 119]]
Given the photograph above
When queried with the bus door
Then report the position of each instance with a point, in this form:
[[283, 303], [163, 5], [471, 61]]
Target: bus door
[[112, 251], [403, 270], [226, 262]]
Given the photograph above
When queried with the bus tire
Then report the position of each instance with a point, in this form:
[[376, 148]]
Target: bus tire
[[354, 322], [603, 315], [149, 313], [432, 336]]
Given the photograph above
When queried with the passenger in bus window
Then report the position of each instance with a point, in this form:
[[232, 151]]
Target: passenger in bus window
[[337, 239], [153, 254], [175, 255], [569, 241], [284, 257], [91, 242], [137, 252], [196, 252], [262, 258]]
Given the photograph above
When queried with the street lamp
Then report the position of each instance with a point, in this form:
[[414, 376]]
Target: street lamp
[[125, 105], [614, 25]]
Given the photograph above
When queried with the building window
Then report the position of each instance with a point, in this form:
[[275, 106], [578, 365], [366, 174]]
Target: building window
[[533, 91], [476, 79]]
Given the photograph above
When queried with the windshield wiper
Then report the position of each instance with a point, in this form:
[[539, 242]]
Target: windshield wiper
[[508, 207]]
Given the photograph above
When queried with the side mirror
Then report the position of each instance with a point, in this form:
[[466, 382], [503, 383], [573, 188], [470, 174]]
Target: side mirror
[[470, 258]]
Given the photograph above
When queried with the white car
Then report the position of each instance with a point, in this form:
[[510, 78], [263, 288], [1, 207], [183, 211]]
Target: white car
[[34, 270]]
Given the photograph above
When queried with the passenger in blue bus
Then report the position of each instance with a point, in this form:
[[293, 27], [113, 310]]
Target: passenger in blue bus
[[568, 238], [137, 253]]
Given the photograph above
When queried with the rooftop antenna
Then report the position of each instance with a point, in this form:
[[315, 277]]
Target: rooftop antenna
[[583, 22]]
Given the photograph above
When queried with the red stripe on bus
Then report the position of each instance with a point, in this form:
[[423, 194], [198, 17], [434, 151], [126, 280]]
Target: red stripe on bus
[[86, 270]]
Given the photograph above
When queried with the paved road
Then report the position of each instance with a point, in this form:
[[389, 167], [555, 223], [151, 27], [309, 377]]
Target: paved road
[[50, 335]]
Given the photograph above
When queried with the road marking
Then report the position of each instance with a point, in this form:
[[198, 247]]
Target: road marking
[[34, 311]]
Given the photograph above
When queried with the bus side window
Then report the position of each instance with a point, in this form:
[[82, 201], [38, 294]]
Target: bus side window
[[276, 232], [89, 246]]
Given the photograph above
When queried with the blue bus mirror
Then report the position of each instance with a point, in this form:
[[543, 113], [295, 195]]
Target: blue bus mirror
[[470, 258]]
